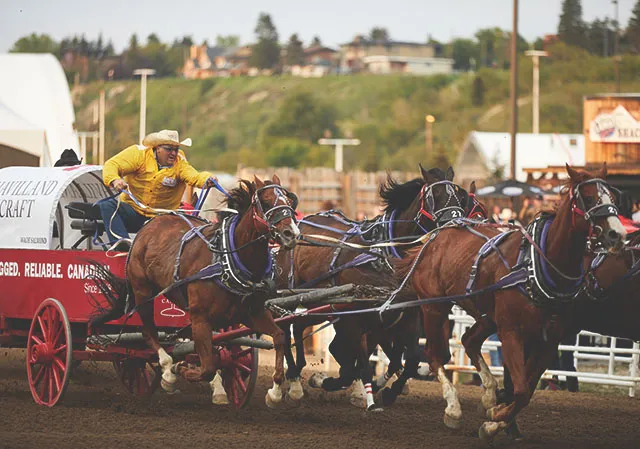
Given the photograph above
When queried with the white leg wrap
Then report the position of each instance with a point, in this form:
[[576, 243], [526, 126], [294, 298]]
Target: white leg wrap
[[358, 395], [316, 379], [368, 392], [275, 393], [489, 383], [295, 389], [382, 380], [453, 412], [219, 396], [168, 378]]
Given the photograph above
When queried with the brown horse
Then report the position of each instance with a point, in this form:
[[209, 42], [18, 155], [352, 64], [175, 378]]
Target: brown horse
[[172, 247], [412, 208], [519, 316]]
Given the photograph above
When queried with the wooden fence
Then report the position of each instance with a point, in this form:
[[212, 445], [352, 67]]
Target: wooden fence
[[319, 188]]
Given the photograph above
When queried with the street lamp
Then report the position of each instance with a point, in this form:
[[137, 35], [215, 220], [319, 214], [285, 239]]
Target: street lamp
[[535, 55], [428, 132], [143, 98], [339, 145]]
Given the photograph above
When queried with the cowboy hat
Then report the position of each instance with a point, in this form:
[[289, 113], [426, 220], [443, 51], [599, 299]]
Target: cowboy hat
[[165, 137], [68, 158]]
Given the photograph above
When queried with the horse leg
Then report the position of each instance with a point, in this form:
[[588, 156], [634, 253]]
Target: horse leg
[[514, 360], [472, 340], [344, 351], [142, 292], [263, 323], [295, 392], [394, 352], [366, 374], [436, 328]]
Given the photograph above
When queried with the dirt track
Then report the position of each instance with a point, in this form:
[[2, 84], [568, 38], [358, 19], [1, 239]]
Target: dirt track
[[97, 412]]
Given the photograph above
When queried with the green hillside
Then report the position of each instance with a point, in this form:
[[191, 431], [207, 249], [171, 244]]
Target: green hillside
[[276, 120]]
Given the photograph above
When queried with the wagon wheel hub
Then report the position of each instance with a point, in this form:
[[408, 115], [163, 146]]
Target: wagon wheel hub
[[42, 353]]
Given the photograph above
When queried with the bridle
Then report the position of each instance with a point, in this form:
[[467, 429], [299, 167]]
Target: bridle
[[599, 209], [448, 212], [477, 210], [266, 221]]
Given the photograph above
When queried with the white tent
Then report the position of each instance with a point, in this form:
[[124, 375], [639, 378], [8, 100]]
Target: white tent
[[35, 97], [484, 153]]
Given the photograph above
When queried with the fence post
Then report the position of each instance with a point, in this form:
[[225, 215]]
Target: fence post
[[347, 194]]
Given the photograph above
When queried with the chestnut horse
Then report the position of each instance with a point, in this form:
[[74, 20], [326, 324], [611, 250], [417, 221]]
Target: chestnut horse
[[521, 317], [171, 247], [412, 209]]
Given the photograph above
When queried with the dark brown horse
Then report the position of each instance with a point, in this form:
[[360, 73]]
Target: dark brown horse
[[264, 211], [413, 208], [441, 271]]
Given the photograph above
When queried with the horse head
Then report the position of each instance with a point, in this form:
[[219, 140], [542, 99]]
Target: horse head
[[274, 209], [442, 200], [594, 209]]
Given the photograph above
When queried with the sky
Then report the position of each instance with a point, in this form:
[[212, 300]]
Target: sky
[[335, 21]]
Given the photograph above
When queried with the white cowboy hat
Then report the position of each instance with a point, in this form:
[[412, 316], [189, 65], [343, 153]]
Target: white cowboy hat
[[165, 137]]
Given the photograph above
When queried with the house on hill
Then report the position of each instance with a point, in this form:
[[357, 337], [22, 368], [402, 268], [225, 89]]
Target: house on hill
[[318, 61], [485, 155], [387, 56], [207, 62]]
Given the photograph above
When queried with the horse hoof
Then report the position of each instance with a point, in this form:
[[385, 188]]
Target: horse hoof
[[295, 393], [452, 422], [271, 402], [220, 399], [316, 380], [387, 396], [489, 430], [375, 408], [405, 390], [514, 431], [169, 387]]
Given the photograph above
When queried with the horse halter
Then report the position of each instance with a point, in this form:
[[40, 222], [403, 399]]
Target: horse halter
[[278, 212], [448, 212]]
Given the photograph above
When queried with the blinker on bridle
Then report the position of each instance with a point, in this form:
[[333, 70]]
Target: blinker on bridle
[[278, 212], [448, 212]]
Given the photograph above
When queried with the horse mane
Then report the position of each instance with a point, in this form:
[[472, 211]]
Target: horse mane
[[397, 196]]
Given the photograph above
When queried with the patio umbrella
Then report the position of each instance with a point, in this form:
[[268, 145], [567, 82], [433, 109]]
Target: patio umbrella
[[510, 188]]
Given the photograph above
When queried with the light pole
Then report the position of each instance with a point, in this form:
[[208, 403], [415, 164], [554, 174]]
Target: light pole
[[428, 132], [339, 145], [143, 98], [514, 88], [616, 43], [535, 55]]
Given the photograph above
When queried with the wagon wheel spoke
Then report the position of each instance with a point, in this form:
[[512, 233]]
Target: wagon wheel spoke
[[59, 349], [36, 340], [39, 375], [58, 334], [242, 353], [240, 381], [45, 382], [243, 367], [56, 376], [50, 384], [59, 363], [234, 393], [42, 328]]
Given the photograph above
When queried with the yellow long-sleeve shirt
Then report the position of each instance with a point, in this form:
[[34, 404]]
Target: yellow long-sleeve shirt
[[160, 189]]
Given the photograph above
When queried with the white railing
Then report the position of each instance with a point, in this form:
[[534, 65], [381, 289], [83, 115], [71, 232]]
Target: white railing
[[613, 355]]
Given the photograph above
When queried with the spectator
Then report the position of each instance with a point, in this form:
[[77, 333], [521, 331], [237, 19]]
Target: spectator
[[527, 212], [68, 158], [636, 212], [495, 216]]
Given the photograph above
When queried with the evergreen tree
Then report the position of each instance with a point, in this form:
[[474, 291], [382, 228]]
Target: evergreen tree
[[99, 47], [571, 28], [633, 29], [379, 34], [295, 52], [229, 41], [316, 42], [133, 43], [266, 52]]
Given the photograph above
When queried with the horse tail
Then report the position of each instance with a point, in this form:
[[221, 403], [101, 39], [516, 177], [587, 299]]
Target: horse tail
[[114, 294]]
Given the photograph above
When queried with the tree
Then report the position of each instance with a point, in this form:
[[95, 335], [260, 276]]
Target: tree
[[379, 34], [35, 43], [633, 28], [295, 52], [316, 42], [230, 41], [266, 52], [186, 41], [462, 52], [133, 42], [571, 28], [538, 44], [153, 39], [600, 38], [99, 47], [477, 91]]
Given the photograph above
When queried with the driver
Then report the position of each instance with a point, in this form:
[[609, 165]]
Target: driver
[[156, 173]]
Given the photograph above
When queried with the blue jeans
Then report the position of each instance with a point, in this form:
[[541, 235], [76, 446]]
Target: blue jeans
[[124, 221], [496, 355]]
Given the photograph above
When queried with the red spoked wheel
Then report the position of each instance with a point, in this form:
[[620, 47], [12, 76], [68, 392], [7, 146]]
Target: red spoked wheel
[[49, 353], [239, 365], [139, 376]]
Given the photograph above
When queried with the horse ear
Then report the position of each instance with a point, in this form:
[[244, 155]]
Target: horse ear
[[449, 175], [602, 174], [276, 179], [258, 182], [428, 177], [573, 173], [472, 187]]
